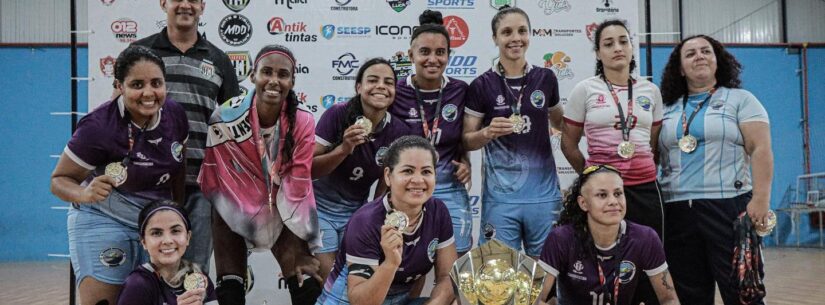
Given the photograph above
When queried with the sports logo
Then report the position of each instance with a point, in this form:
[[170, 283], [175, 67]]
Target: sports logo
[[107, 66], [207, 70], [398, 5], [451, 4], [413, 113], [591, 31], [537, 98], [643, 102], [559, 62], [343, 5], [627, 270], [125, 30], [289, 3], [177, 151], [236, 5], [431, 249], [328, 31], [449, 113], [554, 6], [500, 100], [462, 66], [401, 64], [293, 32], [242, 63], [345, 64], [578, 267], [235, 30], [380, 154], [328, 100], [497, 4], [608, 7], [458, 29]]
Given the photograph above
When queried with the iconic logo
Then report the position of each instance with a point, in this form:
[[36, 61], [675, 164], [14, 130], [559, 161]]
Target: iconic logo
[[289, 3], [292, 31], [537, 98], [345, 64], [559, 63], [125, 30], [177, 151], [591, 31], [236, 5], [343, 5], [242, 63], [462, 66], [398, 5], [207, 70], [554, 6], [401, 64], [107, 2], [458, 29], [627, 270], [379, 156], [643, 102], [607, 7], [497, 4], [449, 113], [107, 66], [235, 30], [396, 31], [578, 267], [451, 4], [112, 257], [431, 249]]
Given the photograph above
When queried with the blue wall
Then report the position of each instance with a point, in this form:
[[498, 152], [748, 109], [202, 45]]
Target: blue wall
[[35, 82]]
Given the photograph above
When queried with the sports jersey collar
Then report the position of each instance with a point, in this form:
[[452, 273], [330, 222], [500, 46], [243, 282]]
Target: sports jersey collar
[[122, 110], [622, 232], [163, 42], [495, 68], [384, 122], [444, 81]]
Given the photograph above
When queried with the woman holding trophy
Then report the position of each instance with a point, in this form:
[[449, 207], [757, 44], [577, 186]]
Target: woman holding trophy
[[393, 241]]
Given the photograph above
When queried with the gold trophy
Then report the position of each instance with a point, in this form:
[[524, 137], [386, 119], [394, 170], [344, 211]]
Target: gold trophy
[[494, 274]]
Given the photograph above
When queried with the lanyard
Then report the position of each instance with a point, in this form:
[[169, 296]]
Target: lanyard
[[133, 139], [267, 159], [429, 133], [686, 121], [622, 120], [515, 106], [616, 282]]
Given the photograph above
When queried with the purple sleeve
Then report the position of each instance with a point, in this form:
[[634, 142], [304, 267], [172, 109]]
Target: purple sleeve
[[474, 98], [181, 121], [138, 290], [327, 129], [554, 253], [363, 241], [87, 147], [210, 292], [653, 259]]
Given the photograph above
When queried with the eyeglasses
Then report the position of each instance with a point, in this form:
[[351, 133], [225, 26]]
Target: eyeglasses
[[596, 167]]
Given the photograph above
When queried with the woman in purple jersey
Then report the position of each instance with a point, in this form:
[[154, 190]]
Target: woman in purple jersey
[[165, 233], [124, 154], [594, 254], [345, 159], [380, 263]]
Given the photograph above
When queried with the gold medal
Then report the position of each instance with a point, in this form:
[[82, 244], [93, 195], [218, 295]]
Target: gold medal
[[626, 149], [397, 219], [193, 281], [117, 171], [688, 143], [518, 123], [364, 122]]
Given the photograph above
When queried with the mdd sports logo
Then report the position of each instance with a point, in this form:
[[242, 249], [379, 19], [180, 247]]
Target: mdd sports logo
[[462, 66]]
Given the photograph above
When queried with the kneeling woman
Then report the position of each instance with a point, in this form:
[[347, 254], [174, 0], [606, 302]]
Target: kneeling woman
[[596, 255], [378, 263], [167, 279]]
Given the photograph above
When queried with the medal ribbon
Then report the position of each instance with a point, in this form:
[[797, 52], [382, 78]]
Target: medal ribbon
[[133, 139], [429, 133], [266, 156], [622, 120], [616, 281], [516, 105], [686, 121]]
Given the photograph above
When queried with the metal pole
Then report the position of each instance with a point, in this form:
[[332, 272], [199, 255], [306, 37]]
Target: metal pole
[[783, 7], [73, 34], [649, 38], [681, 22]]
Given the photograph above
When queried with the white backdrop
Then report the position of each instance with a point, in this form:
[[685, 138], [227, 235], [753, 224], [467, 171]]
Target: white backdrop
[[330, 38]]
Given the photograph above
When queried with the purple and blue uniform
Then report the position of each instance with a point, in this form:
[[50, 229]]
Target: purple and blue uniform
[[447, 142], [347, 187], [521, 187], [103, 237], [362, 245], [145, 287], [638, 248]]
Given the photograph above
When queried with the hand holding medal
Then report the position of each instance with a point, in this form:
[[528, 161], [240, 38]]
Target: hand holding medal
[[365, 123], [397, 220], [117, 171]]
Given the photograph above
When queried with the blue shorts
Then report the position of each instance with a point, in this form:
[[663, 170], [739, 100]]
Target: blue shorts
[[102, 247], [457, 201], [332, 231], [517, 224]]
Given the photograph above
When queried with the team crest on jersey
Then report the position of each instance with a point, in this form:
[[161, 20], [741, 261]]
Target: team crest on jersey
[[112, 257], [236, 5], [242, 63], [177, 151], [449, 113], [578, 267], [398, 5], [208, 70], [644, 102], [107, 66], [380, 154], [413, 113], [626, 271], [717, 104], [431, 249], [537, 98], [500, 100]]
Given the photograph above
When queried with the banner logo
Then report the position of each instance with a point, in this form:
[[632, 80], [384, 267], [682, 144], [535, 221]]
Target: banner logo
[[401, 64], [590, 29], [559, 63], [236, 5], [343, 5], [242, 63], [451, 4], [289, 3], [497, 4], [125, 30], [107, 66], [235, 30], [554, 6], [293, 32], [398, 5], [345, 65], [458, 29]]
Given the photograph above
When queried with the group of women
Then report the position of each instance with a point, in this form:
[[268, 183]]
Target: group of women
[[267, 168]]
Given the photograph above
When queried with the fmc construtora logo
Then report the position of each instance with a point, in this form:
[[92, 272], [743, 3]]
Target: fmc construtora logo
[[345, 65]]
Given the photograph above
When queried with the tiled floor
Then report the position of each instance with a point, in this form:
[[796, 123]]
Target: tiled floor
[[794, 278]]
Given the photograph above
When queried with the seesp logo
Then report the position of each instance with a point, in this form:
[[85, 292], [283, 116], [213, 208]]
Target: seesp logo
[[398, 5], [343, 5], [236, 5], [458, 29], [125, 30], [462, 66], [345, 65], [554, 6], [329, 31], [328, 100], [293, 32], [395, 31], [107, 66], [235, 30], [401, 64], [559, 62], [451, 4], [242, 63], [289, 3]]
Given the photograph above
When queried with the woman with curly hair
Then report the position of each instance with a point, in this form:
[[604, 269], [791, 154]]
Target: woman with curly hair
[[715, 153], [597, 256]]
